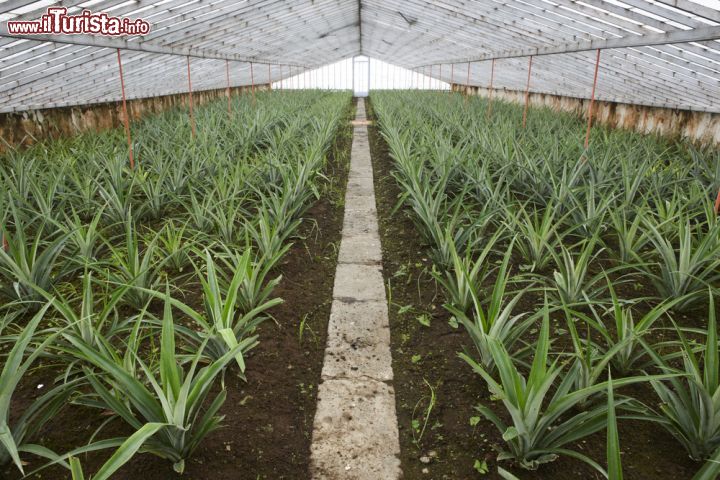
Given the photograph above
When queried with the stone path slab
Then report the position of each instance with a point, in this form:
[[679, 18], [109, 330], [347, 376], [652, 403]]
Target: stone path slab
[[355, 435]]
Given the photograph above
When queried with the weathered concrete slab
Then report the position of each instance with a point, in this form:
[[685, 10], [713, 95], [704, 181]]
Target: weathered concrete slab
[[364, 202], [358, 337], [358, 283], [361, 171], [363, 249], [356, 222], [355, 434]]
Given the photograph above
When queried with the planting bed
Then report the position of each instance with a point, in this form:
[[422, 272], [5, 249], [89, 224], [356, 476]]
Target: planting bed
[[442, 433], [267, 424]]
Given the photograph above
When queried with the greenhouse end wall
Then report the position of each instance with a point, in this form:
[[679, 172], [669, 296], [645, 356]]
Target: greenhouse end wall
[[702, 128], [20, 129]]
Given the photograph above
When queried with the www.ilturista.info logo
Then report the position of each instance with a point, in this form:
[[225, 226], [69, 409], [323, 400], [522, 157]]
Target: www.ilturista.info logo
[[57, 21]]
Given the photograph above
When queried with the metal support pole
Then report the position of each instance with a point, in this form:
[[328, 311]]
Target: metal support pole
[[192, 117], [368, 78], [227, 77], [467, 84], [452, 76], [269, 78], [717, 203], [126, 119], [592, 100], [490, 94], [252, 82], [527, 92]]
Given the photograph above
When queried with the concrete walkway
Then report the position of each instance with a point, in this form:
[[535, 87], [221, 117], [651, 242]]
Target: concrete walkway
[[355, 433]]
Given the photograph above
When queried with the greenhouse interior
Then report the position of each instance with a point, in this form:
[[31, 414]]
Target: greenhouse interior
[[363, 240]]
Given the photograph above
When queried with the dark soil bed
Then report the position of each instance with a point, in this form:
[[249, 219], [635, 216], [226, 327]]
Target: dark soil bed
[[426, 365], [267, 429]]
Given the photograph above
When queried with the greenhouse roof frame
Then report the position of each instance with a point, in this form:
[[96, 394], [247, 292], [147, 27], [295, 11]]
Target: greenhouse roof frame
[[662, 53]]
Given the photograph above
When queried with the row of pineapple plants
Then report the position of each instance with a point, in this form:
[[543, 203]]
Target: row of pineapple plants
[[98, 259], [511, 213]]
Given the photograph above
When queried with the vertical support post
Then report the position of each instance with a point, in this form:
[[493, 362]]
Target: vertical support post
[[467, 84], [368, 75], [490, 93], [269, 77], [227, 77], [717, 203], [192, 117], [126, 121], [252, 82], [527, 92], [452, 76], [592, 100], [440, 75]]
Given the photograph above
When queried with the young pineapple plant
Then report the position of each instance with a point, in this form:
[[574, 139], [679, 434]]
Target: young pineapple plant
[[171, 396], [543, 405], [690, 408]]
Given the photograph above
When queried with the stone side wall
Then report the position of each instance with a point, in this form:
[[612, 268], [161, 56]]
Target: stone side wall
[[25, 128], [700, 127]]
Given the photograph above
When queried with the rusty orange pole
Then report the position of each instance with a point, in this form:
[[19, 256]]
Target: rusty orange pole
[[227, 77], [252, 83], [717, 203], [452, 76], [527, 92], [126, 118], [192, 118], [490, 94], [592, 100]]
